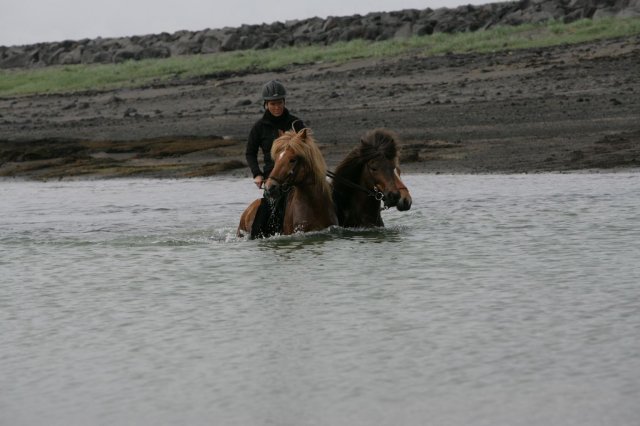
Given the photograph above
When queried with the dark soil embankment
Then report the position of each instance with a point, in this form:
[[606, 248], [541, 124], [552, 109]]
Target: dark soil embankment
[[547, 109]]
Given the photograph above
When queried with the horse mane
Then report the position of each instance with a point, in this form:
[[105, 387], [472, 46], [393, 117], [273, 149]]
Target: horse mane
[[304, 145], [375, 143]]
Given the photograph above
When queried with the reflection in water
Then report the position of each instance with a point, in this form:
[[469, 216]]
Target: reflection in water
[[373, 235], [392, 234]]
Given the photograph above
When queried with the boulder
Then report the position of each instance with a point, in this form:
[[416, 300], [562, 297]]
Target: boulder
[[100, 57], [405, 31], [154, 52], [18, 58], [71, 58], [210, 45], [127, 53], [230, 41]]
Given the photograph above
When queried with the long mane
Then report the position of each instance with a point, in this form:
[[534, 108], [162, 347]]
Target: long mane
[[304, 145], [375, 143]]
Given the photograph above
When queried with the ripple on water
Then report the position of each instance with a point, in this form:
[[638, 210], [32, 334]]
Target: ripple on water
[[135, 302]]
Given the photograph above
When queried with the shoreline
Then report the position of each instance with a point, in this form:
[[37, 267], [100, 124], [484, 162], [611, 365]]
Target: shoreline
[[241, 175], [555, 109]]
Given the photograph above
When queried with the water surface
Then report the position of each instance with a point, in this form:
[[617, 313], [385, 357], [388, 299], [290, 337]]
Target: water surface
[[496, 300]]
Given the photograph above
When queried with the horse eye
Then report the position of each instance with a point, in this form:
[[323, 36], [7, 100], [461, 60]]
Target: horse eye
[[373, 168]]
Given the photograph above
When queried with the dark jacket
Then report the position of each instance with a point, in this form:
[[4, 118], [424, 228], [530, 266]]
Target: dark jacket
[[262, 135]]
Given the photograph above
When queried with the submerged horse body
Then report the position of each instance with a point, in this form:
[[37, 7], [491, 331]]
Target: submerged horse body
[[368, 176], [367, 179], [298, 176]]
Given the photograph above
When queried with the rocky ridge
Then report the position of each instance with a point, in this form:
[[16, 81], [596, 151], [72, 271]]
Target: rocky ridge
[[312, 31]]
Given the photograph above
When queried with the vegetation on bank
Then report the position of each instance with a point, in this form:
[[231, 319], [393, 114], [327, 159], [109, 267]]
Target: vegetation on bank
[[72, 78]]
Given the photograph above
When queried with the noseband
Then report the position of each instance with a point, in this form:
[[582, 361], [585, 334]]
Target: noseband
[[375, 193]]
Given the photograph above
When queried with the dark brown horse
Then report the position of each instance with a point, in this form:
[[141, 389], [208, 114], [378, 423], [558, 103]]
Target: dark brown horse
[[298, 175], [369, 175]]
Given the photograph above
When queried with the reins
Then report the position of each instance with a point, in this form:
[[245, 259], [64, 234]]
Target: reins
[[285, 183], [376, 193]]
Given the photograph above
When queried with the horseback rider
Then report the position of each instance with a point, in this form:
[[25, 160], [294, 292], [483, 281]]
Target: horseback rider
[[276, 120]]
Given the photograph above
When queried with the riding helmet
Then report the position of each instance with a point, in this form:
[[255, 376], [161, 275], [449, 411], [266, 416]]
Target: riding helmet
[[273, 90]]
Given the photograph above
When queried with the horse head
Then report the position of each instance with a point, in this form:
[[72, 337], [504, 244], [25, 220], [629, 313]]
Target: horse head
[[381, 170], [384, 177], [293, 156]]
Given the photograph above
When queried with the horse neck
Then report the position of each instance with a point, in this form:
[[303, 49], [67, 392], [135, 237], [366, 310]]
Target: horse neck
[[363, 210], [312, 192], [309, 205], [355, 207]]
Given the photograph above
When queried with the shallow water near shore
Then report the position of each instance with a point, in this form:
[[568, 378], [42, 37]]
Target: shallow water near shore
[[496, 300]]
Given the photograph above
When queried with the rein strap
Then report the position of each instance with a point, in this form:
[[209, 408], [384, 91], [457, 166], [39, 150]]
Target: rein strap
[[353, 185]]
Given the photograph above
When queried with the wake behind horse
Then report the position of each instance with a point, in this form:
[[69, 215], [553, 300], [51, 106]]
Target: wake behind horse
[[298, 176], [369, 175]]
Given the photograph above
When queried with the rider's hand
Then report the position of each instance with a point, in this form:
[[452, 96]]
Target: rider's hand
[[258, 180]]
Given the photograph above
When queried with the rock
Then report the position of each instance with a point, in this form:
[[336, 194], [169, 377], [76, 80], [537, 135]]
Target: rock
[[125, 54], [211, 44], [231, 41], [72, 57], [130, 112], [373, 26], [70, 105], [91, 55], [405, 31], [153, 52], [114, 100], [19, 59]]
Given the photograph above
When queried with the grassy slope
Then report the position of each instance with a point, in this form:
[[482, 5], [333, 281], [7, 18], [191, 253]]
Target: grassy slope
[[72, 78]]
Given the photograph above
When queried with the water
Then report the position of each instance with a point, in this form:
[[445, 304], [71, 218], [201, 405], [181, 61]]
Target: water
[[496, 300]]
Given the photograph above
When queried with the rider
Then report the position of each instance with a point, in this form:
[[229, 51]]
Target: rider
[[275, 121]]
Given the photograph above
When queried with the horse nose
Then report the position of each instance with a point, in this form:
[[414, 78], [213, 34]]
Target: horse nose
[[391, 198], [404, 204], [272, 191]]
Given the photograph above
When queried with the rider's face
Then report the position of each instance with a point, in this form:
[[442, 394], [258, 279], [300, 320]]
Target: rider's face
[[276, 108]]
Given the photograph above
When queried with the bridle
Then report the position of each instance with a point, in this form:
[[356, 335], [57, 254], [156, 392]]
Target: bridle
[[286, 184], [375, 192]]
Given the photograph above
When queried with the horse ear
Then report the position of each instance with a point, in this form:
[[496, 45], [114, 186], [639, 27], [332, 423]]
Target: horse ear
[[302, 134]]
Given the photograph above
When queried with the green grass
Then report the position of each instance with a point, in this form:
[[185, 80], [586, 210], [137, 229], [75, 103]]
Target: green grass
[[72, 78]]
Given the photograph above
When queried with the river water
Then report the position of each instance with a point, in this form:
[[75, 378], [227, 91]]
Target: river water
[[496, 300]]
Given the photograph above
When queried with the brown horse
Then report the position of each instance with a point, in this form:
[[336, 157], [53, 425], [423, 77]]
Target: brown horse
[[298, 175], [369, 175]]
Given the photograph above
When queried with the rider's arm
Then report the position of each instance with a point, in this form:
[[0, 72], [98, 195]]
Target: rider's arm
[[251, 154]]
